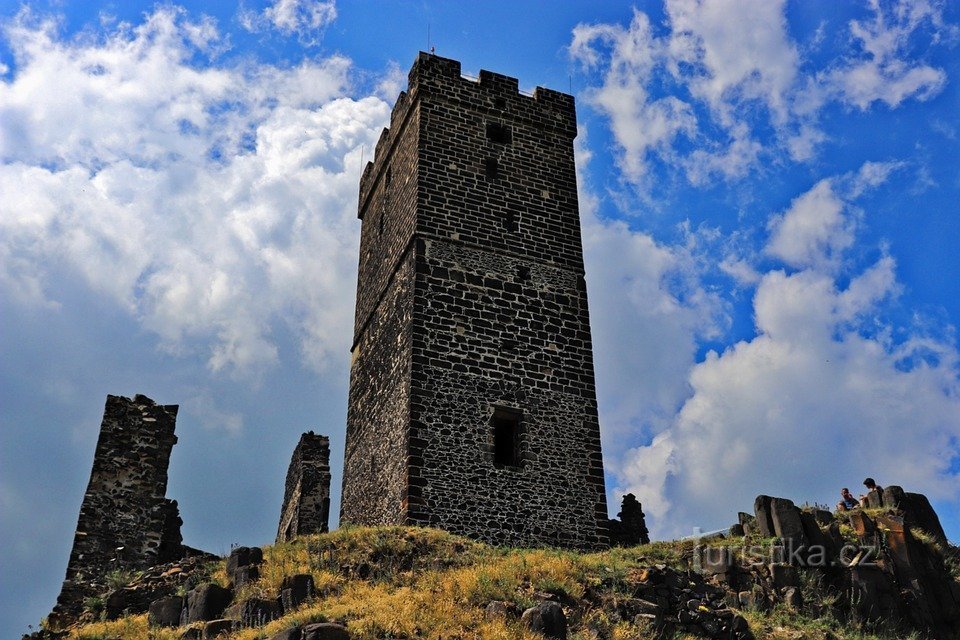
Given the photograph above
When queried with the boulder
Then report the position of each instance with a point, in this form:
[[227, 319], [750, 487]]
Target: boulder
[[325, 631], [893, 497], [218, 628], [244, 557], [919, 513], [874, 499], [293, 633], [736, 531], [873, 593], [165, 612], [787, 524], [295, 590], [243, 575], [748, 522], [764, 516], [254, 612], [206, 602], [502, 609], [546, 618]]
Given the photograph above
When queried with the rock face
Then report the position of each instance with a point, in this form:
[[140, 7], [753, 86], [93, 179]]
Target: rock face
[[306, 499], [472, 396], [126, 523], [631, 528], [886, 574]]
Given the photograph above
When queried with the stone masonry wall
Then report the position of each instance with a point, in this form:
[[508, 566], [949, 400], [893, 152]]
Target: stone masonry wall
[[306, 498], [125, 521], [483, 311]]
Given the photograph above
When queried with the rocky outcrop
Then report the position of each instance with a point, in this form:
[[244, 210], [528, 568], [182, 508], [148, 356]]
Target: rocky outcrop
[[883, 571]]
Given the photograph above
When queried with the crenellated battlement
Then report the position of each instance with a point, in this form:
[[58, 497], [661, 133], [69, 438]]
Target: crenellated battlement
[[495, 94]]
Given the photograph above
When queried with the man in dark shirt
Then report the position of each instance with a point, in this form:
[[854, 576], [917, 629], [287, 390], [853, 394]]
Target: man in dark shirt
[[871, 486]]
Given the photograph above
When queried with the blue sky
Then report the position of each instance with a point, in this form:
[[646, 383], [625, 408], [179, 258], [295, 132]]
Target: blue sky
[[769, 203]]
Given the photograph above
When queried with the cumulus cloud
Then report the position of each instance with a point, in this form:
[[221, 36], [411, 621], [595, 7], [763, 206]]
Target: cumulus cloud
[[216, 206], [880, 70], [726, 87], [821, 396], [303, 18]]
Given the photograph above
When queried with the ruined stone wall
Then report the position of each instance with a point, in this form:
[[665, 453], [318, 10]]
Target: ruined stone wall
[[125, 521], [306, 498], [498, 321]]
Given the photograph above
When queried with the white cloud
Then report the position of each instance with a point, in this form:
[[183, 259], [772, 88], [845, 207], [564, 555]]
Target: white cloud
[[726, 89], [730, 50], [820, 397], [304, 18], [881, 70], [215, 206], [642, 125]]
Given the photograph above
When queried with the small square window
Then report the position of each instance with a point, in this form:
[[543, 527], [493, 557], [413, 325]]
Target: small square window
[[506, 427], [499, 133]]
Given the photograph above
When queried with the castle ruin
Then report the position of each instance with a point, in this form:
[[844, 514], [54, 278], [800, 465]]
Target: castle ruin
[[306, 497], [126, 522], [472, 400]]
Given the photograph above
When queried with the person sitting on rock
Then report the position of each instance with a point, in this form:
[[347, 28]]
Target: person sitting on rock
[[871, 486], [847, 501]]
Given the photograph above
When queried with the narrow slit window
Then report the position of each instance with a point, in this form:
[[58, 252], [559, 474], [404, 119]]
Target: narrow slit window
[[506, 438], [491, 168], [510, 222], [499, 133], [389, 177], [523, 274]]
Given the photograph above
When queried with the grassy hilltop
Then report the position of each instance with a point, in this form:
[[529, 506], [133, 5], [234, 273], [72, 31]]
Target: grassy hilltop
[[394, 582]]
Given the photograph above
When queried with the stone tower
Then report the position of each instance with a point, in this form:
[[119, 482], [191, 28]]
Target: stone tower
[[125, 521], [472, 400]]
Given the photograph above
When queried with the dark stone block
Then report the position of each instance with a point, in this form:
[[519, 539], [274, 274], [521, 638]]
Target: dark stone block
[[502, 609], [219, 628], [243, 575], [764, 516], [244, 557], [295, 590], [325, 631], [787, 523], [546, 618], [254, 612], [293, 633], [165, 612], [206, 602]]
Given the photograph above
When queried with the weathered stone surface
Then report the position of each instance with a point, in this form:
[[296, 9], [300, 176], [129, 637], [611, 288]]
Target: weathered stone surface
[[787, 524], [254, 612], [736, 531], [784, 575], [919, 513], [748, 522], [893, 497], [206, 602], [631, 528], [546, 618], [874, 593], [325, 631], [125, 521], [306, 497], [293, 633], [295, 590], [218, 628], [874, 499], [244, 557], [764, 516], [502, 609], [165, 612], [472, 396], [193, 633]]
